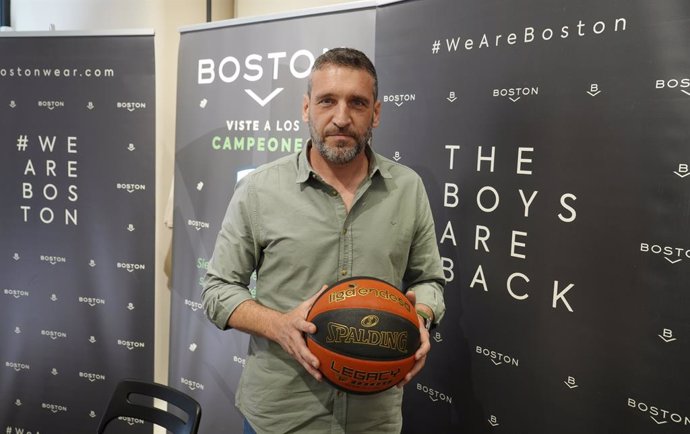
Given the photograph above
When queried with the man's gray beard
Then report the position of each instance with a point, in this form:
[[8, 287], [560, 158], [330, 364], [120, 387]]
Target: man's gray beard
[[339, 155]]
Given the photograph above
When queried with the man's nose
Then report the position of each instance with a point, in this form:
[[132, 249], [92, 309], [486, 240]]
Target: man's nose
[[341, 117]]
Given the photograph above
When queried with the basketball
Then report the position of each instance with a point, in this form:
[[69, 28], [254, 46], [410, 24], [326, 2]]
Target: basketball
[[367, 333]]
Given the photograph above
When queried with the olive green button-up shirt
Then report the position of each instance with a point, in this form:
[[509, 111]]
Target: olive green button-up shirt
[[294, 230]]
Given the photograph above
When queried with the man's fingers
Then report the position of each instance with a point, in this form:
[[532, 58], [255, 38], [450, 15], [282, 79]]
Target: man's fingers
[[310, 362], [412, 297], [307, 326], [312, 371], [414, 371], [313, 298]]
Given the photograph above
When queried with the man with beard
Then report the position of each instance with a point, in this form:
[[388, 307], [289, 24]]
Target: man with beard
[[332, 211]]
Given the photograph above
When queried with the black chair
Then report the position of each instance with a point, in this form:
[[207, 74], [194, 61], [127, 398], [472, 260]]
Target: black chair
[[121, 404]]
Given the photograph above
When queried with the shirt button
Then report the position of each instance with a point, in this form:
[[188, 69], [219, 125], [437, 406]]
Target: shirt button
[[343, 272], [344, 231], [334, 193]]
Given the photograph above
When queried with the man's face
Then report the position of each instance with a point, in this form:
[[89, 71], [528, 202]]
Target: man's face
[[341, 112]]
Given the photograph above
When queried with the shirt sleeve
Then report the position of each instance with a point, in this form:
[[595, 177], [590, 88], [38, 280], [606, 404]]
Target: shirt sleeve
[[424, 273], [235, 257]]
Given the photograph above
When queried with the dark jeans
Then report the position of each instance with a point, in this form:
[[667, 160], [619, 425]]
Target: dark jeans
[[248, 428]]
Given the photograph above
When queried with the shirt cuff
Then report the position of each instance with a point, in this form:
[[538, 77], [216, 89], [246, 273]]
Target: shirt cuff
[[431, 294]]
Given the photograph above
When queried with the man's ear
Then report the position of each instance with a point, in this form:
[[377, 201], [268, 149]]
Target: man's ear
[[377, 114], [305, 108]]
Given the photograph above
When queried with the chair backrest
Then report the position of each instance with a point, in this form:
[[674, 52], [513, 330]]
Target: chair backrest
[[121, 404]]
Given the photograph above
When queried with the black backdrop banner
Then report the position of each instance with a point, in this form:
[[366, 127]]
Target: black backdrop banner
[[77, 130], [553, 139]]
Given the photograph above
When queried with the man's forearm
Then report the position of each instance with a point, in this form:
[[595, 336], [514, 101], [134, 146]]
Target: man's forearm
[[253, 318]]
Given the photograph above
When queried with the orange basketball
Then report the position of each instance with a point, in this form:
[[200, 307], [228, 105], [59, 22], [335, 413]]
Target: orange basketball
[[367, 332]]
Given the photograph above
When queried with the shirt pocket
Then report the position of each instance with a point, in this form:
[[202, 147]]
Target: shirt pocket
[[382, 247]]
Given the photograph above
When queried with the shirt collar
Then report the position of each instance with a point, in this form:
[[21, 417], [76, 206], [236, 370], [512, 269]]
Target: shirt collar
[[304, 169]]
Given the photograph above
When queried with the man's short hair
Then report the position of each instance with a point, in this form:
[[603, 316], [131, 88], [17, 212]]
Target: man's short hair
[[349, 58]]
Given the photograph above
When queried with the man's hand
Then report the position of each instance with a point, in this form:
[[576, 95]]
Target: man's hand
[[286, 329], [424, 347], [289, 329]]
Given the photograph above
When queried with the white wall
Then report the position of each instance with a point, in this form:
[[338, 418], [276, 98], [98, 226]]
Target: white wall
[[80, 14], [246, 8]]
